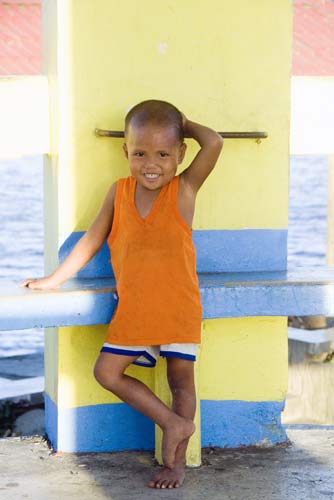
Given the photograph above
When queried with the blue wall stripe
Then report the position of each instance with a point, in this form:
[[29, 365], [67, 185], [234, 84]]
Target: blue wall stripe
[[51, 420], [233, 424], [216, 251], [98, 267], [241, 250], [118, 427], [102, 427]]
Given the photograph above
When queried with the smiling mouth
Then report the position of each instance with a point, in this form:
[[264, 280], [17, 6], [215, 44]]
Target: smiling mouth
[[151, 176]]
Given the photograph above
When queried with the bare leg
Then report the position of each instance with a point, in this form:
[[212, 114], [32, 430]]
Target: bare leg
[[180, 374], [109, 372]]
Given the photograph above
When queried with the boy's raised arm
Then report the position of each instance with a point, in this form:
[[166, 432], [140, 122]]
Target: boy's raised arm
[[211, 145]]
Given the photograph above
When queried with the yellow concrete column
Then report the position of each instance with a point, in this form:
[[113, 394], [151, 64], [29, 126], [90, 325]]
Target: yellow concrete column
[[225, 64]]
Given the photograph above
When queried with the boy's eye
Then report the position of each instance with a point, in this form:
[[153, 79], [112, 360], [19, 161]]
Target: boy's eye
[[139, 153], [163, 154]]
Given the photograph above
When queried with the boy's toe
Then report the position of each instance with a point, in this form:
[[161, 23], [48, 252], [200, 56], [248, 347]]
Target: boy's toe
[[153, 483]]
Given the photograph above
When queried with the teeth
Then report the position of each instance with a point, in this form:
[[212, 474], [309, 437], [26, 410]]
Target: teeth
[[152, 176]]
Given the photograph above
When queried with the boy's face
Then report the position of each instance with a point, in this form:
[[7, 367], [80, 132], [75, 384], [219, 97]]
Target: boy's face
[[153, 149]]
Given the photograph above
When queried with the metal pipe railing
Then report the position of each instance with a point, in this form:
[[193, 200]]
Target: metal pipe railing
[[226, 135]]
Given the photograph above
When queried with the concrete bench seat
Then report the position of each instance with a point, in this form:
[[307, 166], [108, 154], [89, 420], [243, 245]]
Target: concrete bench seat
[[300, 291]]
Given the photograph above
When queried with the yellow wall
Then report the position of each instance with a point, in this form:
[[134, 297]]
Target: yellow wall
[[244, 359], [241, 359], [223, 63], [78, 349]]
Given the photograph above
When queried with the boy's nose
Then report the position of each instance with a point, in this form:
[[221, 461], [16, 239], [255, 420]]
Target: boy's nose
[[151, 164]]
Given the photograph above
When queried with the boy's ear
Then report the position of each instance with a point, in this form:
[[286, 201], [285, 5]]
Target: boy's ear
[[125, 149], [182, 152]]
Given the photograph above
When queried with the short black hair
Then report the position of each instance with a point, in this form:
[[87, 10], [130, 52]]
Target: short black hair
[[154, 111]]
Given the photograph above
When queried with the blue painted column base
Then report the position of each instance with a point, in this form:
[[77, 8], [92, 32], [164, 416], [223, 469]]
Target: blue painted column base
[[118, 427], [232, 424], [102, 427]]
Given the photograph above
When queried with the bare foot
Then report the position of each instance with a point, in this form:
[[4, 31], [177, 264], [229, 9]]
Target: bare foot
[[168, 478], [180, 429]]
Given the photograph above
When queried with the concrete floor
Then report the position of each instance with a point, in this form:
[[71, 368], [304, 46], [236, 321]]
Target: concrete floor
[[303, 470]]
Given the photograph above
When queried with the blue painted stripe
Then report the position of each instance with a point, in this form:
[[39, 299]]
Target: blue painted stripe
[[181, 355], [217, 251], [118, 427], [51, 420], [240, 250], [233, 424], [98, 267], [108, 427]]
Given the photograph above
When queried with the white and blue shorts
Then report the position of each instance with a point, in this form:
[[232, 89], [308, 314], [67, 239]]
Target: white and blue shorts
[[148, 354]]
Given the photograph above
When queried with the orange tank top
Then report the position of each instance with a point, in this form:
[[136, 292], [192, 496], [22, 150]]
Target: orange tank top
[[154, 263]]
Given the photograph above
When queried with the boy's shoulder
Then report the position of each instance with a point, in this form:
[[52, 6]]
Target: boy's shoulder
[[122, 180]]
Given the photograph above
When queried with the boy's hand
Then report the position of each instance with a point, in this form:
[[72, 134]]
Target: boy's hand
[[39, 284], [211, 145]]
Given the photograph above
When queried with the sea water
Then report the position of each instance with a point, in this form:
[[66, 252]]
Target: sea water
[[21, 236], [21, 239]]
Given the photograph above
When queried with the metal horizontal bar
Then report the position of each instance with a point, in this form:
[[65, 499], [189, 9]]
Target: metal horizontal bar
[[227, 135]]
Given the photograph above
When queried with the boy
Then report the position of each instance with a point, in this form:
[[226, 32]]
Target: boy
[[146, 219]]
